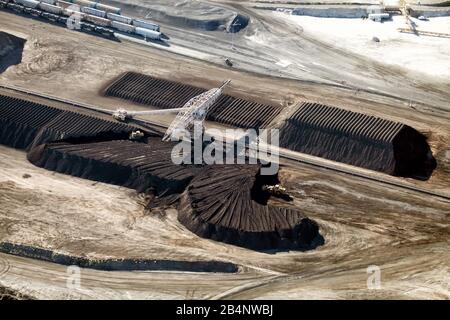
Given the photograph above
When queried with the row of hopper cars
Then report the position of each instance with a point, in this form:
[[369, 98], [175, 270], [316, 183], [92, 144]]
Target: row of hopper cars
[[94, 16]]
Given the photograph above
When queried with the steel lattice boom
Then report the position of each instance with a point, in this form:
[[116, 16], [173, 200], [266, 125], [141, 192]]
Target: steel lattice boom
[[196, 109]]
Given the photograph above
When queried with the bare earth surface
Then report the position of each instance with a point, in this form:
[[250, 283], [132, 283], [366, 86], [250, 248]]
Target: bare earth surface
[[364, 223], [405, 235]]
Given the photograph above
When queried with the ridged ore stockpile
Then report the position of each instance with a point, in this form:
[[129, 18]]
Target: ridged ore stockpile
[[70, 124], [228, 204], [21, 120], [167, 94], [359, 140], [24, 123], [144, 166]]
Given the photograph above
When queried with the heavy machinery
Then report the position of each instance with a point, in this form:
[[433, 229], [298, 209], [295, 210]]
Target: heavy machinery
[[124, 115], [276, 190], [228, 62], [136, 135], [195, 110]]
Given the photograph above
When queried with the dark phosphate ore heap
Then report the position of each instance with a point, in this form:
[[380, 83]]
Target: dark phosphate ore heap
[[359, 140], [165, 94], [224, 203], [24, 123], [144, 166], [227, 203]]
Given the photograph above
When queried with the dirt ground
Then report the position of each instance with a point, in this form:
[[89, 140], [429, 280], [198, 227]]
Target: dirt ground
[[394, 48], [404, 233]]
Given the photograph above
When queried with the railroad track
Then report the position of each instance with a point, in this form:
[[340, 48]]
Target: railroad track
[[360, 173], [81, 105], [287, 155]]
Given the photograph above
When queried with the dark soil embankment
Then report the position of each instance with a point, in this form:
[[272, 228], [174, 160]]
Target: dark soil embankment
[[11, 49], [117, 264]]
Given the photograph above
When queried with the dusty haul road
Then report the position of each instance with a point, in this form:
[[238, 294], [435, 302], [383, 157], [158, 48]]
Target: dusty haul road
[[404, 233]]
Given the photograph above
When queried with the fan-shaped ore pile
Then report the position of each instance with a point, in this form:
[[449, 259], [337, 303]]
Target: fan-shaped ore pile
[[220, 202], [227, 203]]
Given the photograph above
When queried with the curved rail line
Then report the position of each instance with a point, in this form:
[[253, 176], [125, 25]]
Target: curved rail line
[[284, 153]]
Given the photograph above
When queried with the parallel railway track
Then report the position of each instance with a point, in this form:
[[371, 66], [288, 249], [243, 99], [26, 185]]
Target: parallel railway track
[[290, 158]]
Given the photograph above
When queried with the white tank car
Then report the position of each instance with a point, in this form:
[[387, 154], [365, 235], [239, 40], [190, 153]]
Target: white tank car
[[146, 25], [119, 18], [123, 27], [94, 12], [28, 3], [49, 1], [50, 8], [148, 34]]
